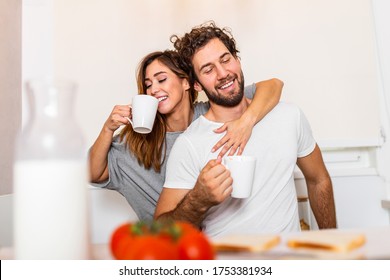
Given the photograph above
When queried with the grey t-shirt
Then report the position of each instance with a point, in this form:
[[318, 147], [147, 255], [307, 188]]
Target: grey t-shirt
[[141, 187]]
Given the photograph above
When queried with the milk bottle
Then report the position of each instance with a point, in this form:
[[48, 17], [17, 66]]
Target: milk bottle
[[50, 177]]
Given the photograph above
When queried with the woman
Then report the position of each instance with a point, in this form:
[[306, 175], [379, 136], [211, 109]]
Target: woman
[[134, 164]]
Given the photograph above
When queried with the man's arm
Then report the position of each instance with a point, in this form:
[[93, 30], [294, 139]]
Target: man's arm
[[213, 186], [180, 205], [320, 190]]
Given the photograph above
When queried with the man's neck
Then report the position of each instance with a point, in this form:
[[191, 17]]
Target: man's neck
[[222, 114]]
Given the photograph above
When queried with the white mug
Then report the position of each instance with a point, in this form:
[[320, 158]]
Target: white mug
[[144, 109], [242, 170]]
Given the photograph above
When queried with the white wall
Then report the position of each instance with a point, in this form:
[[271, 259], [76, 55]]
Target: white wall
[[327, 62], [10, 91], [381, 9], [95, 43]]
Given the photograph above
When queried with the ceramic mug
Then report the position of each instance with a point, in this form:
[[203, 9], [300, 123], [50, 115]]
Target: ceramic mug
[[242, 170], [144, 109]]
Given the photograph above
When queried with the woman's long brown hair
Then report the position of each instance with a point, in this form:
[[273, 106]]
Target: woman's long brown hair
[[149, 149]]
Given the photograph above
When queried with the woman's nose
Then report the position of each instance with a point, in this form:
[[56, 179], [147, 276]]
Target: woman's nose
[[154, 90]]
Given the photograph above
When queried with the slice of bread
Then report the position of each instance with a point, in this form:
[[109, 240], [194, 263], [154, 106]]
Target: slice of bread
[[246, 243], [327, 240]]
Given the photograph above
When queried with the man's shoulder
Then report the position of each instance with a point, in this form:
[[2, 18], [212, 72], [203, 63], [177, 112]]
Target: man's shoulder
[[284, 105], [286, 109], [283, 111]]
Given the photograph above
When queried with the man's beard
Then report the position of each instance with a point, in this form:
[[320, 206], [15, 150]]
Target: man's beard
[[232, 100]]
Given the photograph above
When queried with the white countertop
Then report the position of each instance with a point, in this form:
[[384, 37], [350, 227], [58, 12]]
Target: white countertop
[[377, 246]]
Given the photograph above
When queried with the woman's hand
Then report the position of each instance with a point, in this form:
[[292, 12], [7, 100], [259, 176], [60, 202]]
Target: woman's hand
[[266, 97], [119, 116], [237, 135]]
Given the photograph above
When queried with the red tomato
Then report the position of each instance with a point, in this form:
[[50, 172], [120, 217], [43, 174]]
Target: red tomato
[[120, 240], [195, 246], [181, 228], [186, 228], [151, 247], [160, 241]]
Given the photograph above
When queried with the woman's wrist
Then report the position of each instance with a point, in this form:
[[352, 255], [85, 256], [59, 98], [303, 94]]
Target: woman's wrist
[[249, 117]]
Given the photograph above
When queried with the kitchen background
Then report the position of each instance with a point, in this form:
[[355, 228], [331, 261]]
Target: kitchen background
[[332, 55]]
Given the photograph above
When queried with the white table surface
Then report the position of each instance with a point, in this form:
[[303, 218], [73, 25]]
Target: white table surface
[[377, 246]]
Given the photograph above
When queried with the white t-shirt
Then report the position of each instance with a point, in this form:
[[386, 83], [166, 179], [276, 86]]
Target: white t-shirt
[[277, 141]]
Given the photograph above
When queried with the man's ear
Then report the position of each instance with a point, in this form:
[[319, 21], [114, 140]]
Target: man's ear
[[198, 87]]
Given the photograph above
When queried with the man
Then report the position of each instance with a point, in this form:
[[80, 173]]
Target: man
[[198, 186]]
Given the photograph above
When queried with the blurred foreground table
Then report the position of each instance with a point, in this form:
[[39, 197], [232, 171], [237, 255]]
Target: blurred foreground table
[[377, 246]]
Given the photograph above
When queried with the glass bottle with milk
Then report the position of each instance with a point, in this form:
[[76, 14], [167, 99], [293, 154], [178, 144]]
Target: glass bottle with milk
[[50, 177]]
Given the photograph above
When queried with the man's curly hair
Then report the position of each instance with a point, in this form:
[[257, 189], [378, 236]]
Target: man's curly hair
[[198, 37]]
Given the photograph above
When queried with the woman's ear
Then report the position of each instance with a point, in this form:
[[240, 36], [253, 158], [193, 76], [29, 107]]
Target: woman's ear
[[198, 87], [186, 84]]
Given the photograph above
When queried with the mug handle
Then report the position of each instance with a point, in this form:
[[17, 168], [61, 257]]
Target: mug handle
[[130, 121]]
